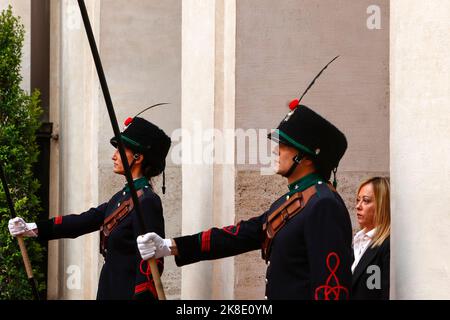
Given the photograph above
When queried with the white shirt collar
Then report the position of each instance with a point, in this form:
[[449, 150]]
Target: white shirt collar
[[362, 233], [361, 242]]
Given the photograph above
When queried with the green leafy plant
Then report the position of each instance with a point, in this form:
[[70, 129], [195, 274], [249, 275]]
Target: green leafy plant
[[19, 120]]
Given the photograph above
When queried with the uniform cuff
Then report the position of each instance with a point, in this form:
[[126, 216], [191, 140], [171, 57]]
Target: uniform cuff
[[188, 250], [45, 229]]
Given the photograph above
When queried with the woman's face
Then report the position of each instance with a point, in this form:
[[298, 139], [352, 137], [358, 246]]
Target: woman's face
[[118, 165], [365, 207]]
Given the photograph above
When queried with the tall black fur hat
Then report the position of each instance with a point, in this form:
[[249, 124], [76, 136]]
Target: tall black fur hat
[[312, 135], [145, 138]]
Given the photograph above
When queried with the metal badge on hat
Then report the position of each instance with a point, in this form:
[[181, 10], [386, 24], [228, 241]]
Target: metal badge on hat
[[296, 102]]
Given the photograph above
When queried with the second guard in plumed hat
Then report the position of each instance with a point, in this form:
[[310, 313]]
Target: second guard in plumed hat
[[305, 236]]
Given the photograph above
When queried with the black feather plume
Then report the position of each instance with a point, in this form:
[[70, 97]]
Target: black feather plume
[[153, 106], [314, 80]]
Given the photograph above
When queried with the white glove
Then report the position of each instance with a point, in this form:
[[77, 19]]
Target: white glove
[[151, 245], [18, 227]]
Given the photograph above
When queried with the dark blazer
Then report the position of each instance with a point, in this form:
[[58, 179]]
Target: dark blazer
[[365, 285]]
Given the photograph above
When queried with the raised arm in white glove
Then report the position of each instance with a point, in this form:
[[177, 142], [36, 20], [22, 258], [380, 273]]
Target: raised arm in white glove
[[18, 227], [151, 245]]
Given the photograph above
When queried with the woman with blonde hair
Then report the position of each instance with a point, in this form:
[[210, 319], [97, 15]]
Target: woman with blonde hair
[[371, 244]]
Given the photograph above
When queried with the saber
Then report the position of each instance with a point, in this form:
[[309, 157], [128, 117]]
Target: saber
[[23, 248], [115, 126]]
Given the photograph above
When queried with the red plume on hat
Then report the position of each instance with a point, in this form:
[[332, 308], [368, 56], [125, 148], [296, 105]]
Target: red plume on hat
[[293, 104], [128, 121]]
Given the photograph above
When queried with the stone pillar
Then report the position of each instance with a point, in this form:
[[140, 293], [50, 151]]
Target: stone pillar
[[208, 53], [54, 282], [74, 169], [420, 149], [224, 168], [142, 40]]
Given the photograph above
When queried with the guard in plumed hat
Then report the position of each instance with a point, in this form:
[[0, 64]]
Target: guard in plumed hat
[[305, 236], [146, 139], [124, 274]]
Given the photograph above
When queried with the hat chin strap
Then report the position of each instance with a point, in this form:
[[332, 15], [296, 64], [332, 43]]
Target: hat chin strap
[[164, 182], [135, 157], [291, 170]]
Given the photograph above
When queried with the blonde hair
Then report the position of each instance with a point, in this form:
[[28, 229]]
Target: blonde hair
[[382, 217]]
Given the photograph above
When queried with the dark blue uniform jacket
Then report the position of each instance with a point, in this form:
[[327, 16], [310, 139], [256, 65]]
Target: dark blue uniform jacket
[[124, 274], [311, 256]]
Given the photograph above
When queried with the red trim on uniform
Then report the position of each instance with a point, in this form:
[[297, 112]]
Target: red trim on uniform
[[140, 287], [331, 292], [230, 229], [206, 241], [146, 286], [149, 285], [58, 220], [147, 273]]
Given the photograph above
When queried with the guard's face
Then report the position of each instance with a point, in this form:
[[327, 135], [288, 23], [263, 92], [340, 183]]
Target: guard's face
[[118, 165], [283, 162], [365, 207]]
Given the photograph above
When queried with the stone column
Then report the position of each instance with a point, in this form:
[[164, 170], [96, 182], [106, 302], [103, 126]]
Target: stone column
[[74, 169], [224, 168], [420, 149], [54, 282], [208, 53]]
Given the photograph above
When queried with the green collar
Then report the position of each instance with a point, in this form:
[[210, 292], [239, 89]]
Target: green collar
[[138, 184], [304, 183]]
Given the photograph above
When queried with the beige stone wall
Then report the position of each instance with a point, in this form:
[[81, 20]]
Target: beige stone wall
[[294, 40], [281, 46]]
